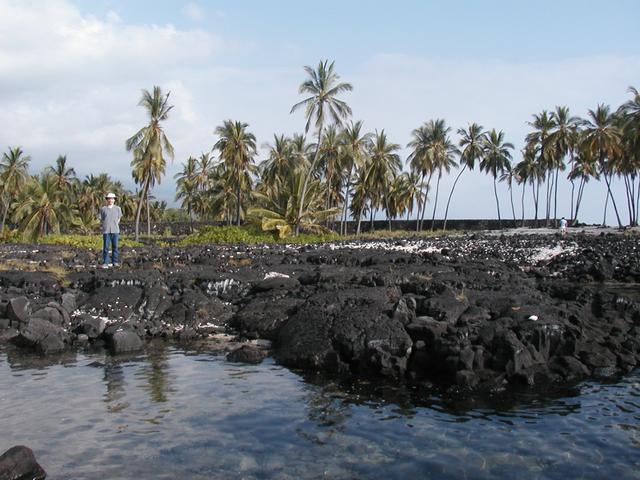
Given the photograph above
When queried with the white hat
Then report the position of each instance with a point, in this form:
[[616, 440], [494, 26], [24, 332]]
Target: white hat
[[110, 195]]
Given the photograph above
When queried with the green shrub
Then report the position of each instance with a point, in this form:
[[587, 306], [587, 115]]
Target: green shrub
[[84, 241], [249, 234]]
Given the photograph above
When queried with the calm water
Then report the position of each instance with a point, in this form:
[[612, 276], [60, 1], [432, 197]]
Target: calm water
[[172, 413]]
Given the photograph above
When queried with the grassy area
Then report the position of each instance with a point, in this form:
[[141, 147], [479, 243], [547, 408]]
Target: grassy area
[[250, 234], [93, 242], [247, 234]]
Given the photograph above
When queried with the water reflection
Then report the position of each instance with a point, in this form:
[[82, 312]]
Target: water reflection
[[173, 413], [333, 394], [156, 372]]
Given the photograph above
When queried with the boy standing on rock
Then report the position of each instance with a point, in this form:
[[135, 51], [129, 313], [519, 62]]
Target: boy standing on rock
[[110, 216]]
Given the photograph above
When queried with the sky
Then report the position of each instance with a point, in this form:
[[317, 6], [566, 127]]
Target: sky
[[72, 73]]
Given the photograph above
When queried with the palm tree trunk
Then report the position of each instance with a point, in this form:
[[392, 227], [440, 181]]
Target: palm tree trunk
[[495, 191], [148, 215], [139, 209], [306, 182], [536, 198], [5, 202], [386, 207], [606, 204], [555, 201], [579, 199], [435, 204], [446, 211], [613, 200], [573, 186], [629, 195], [371, 220], [637, 201], [548, 200], [238, 203], [343, 225], [513, 210], [424, 202], [524, 186]]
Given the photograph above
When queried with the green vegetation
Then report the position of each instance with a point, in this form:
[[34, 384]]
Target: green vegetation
[[251, 234], [93, 242], [305, 185]]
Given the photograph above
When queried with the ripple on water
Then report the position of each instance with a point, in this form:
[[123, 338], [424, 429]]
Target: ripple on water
[[176, 414]]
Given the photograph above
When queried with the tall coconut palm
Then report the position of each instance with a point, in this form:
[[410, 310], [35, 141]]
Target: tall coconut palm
[[13, 175], [203, 167], [496, 159], [383, 166], [602, 139], [528, 171], [237, 147], [360, 199], [280, 159], [150, 145], [331, 152], [323, 87], [538, 141], [509, 177], [421, 161], [584, 168], [64, 175], [187, 187], [443, 153], [629, 114], [562, 140], [355, 143], [472, 142]]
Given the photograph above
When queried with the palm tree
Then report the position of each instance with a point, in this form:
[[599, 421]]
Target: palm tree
[[629, 114], [13, 175], [602, 139], [355, 144], [527, 171], [421, 162], [331, 153], [202, 171], [63, 175], [323, 87], [278, 209], [273, 170], [472, 142], [403, 193], [496, 160], [150, 145], [538, 142], [384, 164], [187, 187], [508, 177], [442, 153], [237, 147], [562, 140], [584, 168], [41, 207]]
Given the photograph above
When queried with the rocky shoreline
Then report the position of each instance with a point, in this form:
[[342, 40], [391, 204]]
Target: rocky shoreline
[[468, 312]]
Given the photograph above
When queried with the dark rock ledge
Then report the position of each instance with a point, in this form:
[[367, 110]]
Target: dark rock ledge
[[467, 311]]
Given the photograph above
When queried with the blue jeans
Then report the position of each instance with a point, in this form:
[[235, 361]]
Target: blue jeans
[[110, 238]]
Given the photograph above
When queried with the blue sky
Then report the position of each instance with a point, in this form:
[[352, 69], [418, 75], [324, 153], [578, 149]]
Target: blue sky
[[71, 72]]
